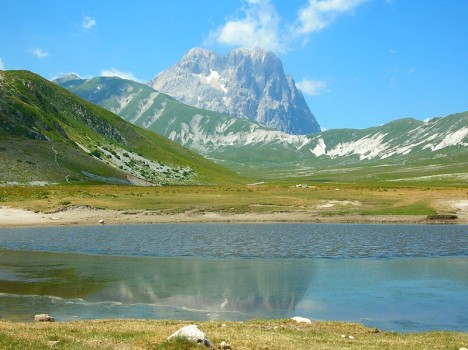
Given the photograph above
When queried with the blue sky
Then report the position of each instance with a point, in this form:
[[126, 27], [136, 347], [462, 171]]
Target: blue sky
[[359, 63]]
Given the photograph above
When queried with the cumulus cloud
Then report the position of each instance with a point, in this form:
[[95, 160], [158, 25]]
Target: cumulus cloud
[[260, 25], [312, 87], [2, 66], [319, 14], [39, 53], [88, 22], [114, 72]]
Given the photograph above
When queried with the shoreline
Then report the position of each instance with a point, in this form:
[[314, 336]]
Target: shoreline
[[89, 216]]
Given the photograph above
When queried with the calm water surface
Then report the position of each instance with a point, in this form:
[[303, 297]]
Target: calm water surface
[[395, 277]]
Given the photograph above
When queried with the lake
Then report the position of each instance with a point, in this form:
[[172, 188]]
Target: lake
[[394, 277]]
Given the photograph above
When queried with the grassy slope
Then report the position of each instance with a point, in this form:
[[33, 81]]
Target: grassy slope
[[34, 110], [252, 335]]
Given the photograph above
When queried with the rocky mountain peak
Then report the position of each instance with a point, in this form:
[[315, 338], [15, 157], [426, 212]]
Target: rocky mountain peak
[[68, 77], [243, 83], [199, 52], [256, 54]]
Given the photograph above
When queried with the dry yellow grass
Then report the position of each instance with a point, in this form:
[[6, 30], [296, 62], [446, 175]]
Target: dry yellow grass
[[252, 335], [356, 200]]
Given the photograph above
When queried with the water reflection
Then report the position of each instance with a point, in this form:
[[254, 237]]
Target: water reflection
[[410, 294], [396, 277], [188, 288]]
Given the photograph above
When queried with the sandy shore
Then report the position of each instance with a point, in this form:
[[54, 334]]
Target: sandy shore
[[12, 217]]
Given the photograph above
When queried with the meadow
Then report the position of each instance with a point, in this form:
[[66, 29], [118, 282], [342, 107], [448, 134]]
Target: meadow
[[322, 199], [251, 335]]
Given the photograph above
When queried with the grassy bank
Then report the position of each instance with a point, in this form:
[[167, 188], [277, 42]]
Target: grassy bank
[[325, 200], [252, 335]]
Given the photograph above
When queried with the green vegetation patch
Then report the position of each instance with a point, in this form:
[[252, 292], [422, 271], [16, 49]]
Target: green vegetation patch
[[251, 335]]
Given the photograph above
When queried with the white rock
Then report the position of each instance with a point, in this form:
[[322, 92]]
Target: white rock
[[193, 334], [350, 337], [225, 346], [299, 319], [43, 318]]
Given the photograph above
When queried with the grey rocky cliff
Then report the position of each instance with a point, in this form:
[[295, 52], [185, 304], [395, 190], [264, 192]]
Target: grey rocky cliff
[[244, 84]]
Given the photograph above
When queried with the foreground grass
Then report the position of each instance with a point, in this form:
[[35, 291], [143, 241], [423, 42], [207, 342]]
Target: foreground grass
[[325, 200], [252, 335]]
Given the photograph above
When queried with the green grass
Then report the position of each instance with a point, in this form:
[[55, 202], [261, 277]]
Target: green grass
[[418, 208], [322, 200], [251, 335], [49, 122]]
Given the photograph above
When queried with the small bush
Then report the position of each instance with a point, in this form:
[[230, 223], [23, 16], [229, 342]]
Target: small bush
[[96, 153], [442, 217]]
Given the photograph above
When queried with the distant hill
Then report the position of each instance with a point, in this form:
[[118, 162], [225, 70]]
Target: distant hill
[[432, 148], [48, 135]]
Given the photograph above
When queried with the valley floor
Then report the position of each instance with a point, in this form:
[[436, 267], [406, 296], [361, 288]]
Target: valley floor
[[116, 205]]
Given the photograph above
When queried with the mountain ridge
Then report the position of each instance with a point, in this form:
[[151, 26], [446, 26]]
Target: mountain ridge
[[247, 147], [243, 83]]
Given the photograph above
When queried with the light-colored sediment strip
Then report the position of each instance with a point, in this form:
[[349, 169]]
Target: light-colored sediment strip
[[12, 217]]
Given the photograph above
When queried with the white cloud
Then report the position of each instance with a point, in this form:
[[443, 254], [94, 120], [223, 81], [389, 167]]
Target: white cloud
[[88, 22], [114, 72], [260, 25], [2, 66], [319, 14], [39, 53], [312, 87]]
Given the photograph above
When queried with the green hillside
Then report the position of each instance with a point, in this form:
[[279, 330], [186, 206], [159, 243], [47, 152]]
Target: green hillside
[[402, 151], [49, 135]]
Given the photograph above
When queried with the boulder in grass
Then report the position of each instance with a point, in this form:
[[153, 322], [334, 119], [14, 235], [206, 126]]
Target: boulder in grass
[[193, 334], [225, 346], [43, 318], [299, 319]]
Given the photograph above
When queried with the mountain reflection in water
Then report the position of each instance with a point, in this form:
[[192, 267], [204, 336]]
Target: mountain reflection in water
[[250, 288], [395, 277]]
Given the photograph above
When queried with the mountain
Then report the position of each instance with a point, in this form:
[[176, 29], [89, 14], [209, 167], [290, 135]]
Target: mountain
[[49, 135], [145, 107], [438, 146], [244, 84]]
